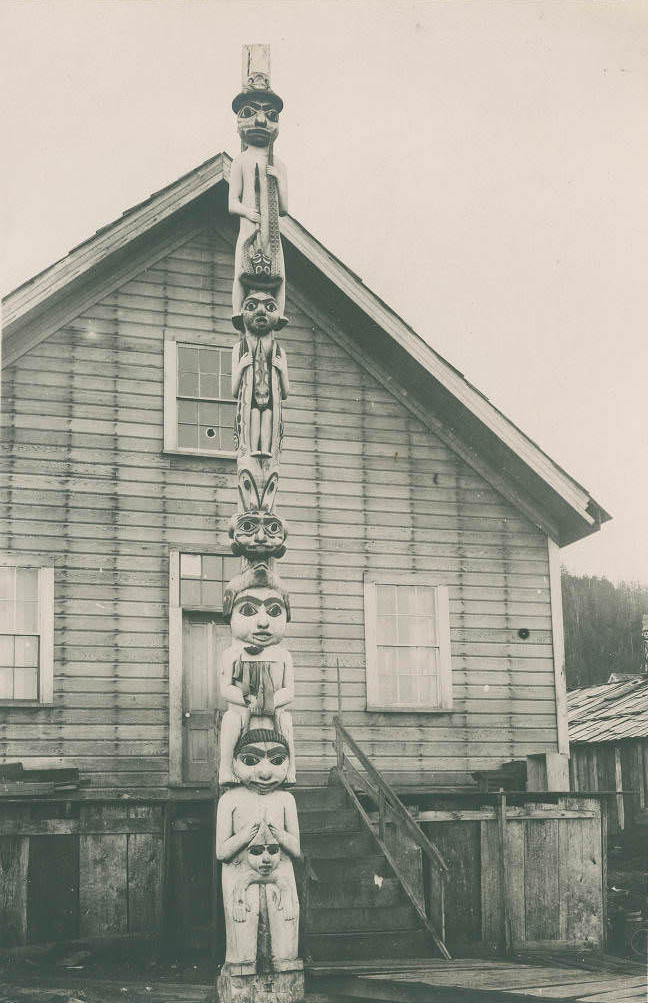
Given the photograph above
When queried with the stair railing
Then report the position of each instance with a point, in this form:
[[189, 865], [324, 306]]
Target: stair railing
[[373, 784]]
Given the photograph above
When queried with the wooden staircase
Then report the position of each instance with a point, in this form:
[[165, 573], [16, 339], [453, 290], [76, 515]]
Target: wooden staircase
[[353, 904]]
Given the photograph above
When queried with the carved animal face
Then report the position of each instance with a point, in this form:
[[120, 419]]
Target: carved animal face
[[262, 766], [257, 535], [257, 121], [263, 857], [259, 617], [260, 313]]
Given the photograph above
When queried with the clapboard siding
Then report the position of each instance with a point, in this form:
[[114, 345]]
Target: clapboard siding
[[365, 486]]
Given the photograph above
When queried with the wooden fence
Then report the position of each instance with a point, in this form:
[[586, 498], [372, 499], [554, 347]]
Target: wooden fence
[[522, 876], [620, 767], [74, 870]]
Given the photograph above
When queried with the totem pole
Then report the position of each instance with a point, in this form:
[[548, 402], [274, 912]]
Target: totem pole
[[257, 832]]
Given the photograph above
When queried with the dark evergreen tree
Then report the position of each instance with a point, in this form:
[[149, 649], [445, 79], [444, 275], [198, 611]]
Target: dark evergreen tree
[[602, 628]]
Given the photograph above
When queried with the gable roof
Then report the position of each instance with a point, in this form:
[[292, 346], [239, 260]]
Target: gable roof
[[470, 423], [616, 710]]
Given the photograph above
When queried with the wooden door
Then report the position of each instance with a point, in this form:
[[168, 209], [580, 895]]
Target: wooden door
[[204, 637]]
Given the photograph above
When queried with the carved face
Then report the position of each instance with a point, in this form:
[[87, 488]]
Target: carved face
[[262, 766], [263, 857], [257, 121], [259, 617], [258, 535], [260, 312]]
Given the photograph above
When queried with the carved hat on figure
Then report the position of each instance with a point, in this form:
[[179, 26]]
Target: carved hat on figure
[[256, 532], [261, 577]]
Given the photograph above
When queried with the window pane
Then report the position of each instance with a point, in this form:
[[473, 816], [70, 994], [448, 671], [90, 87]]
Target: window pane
[[26, 684], [407, 626], [428, 692], [190, 565], [190, 593], [26, 651], [407, 690], [227, 438], [26, 583], [188, 384], [6, 649], [7, 615], [188, 436], [212, 594], [27, 617], [406, 599], [387, 690], [231, 567], [420, 628], [188, 412], [425, 601], [187, 359], [386, 632], [208, 359], [386, 598], [209, 437], [208, 414], [6, 683], [225, 362], [7, 583], [209, 385], [212, 567], [387, 661]]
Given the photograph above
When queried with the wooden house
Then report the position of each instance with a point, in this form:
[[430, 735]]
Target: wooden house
[[421, 520]]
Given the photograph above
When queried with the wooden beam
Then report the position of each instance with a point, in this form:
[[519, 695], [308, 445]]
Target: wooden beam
[[558, 639]]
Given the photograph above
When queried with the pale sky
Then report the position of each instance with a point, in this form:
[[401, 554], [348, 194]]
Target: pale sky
[[483, 165]]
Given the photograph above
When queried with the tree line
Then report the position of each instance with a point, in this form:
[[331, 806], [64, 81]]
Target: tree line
[[602, 628]]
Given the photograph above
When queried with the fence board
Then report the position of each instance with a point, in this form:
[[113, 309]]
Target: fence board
[[53, 888], [581, 906], [14, 857], [144, 882], [541, 880], [103, 896]]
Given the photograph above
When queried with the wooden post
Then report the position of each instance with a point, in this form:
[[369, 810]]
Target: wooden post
[[339, 688], [504, 893], [618, 786]]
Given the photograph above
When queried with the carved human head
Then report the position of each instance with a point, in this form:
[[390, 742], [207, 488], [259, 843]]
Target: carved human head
[[261, 760], [261, 312], [256, 533], [259, 577], [257, 117], [263, 853]]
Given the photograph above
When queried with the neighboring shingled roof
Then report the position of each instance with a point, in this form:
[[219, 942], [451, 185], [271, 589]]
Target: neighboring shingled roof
[[611, 712]]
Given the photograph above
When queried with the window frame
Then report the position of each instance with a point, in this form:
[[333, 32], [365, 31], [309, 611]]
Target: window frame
[[45, 568], [442, 606], [172, 341]]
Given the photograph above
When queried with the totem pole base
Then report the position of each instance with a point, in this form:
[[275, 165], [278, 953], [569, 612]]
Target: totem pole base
[[236, 986]]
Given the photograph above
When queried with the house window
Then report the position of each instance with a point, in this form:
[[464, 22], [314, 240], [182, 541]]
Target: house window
[[199, 410], [26, 634], [407, 634], [203, 578]]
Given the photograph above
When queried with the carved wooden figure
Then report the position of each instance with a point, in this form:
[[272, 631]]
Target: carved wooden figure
[[255, 531], [258, 191], [256, 670], [259, 378], [257, 837]]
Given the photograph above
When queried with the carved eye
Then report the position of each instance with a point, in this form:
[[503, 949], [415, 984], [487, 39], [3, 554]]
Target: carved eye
[[274, 609], [250, 305], [272, 115], [249, 759], [247, 526], [247, 609], [256, 850], [247, 111], [273, 527], [279, 758], [273, 848], [271, 307]]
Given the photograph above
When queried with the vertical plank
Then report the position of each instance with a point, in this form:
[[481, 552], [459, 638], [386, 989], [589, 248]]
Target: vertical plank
[[541, 880], [459, 843], [581, 905], [558, 640], [46, 630], [504, 876], [14, 861], [103, 875], [53, 889], [491, 903], [639, 768], [515, 880], [618, 786], [145, 863]]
